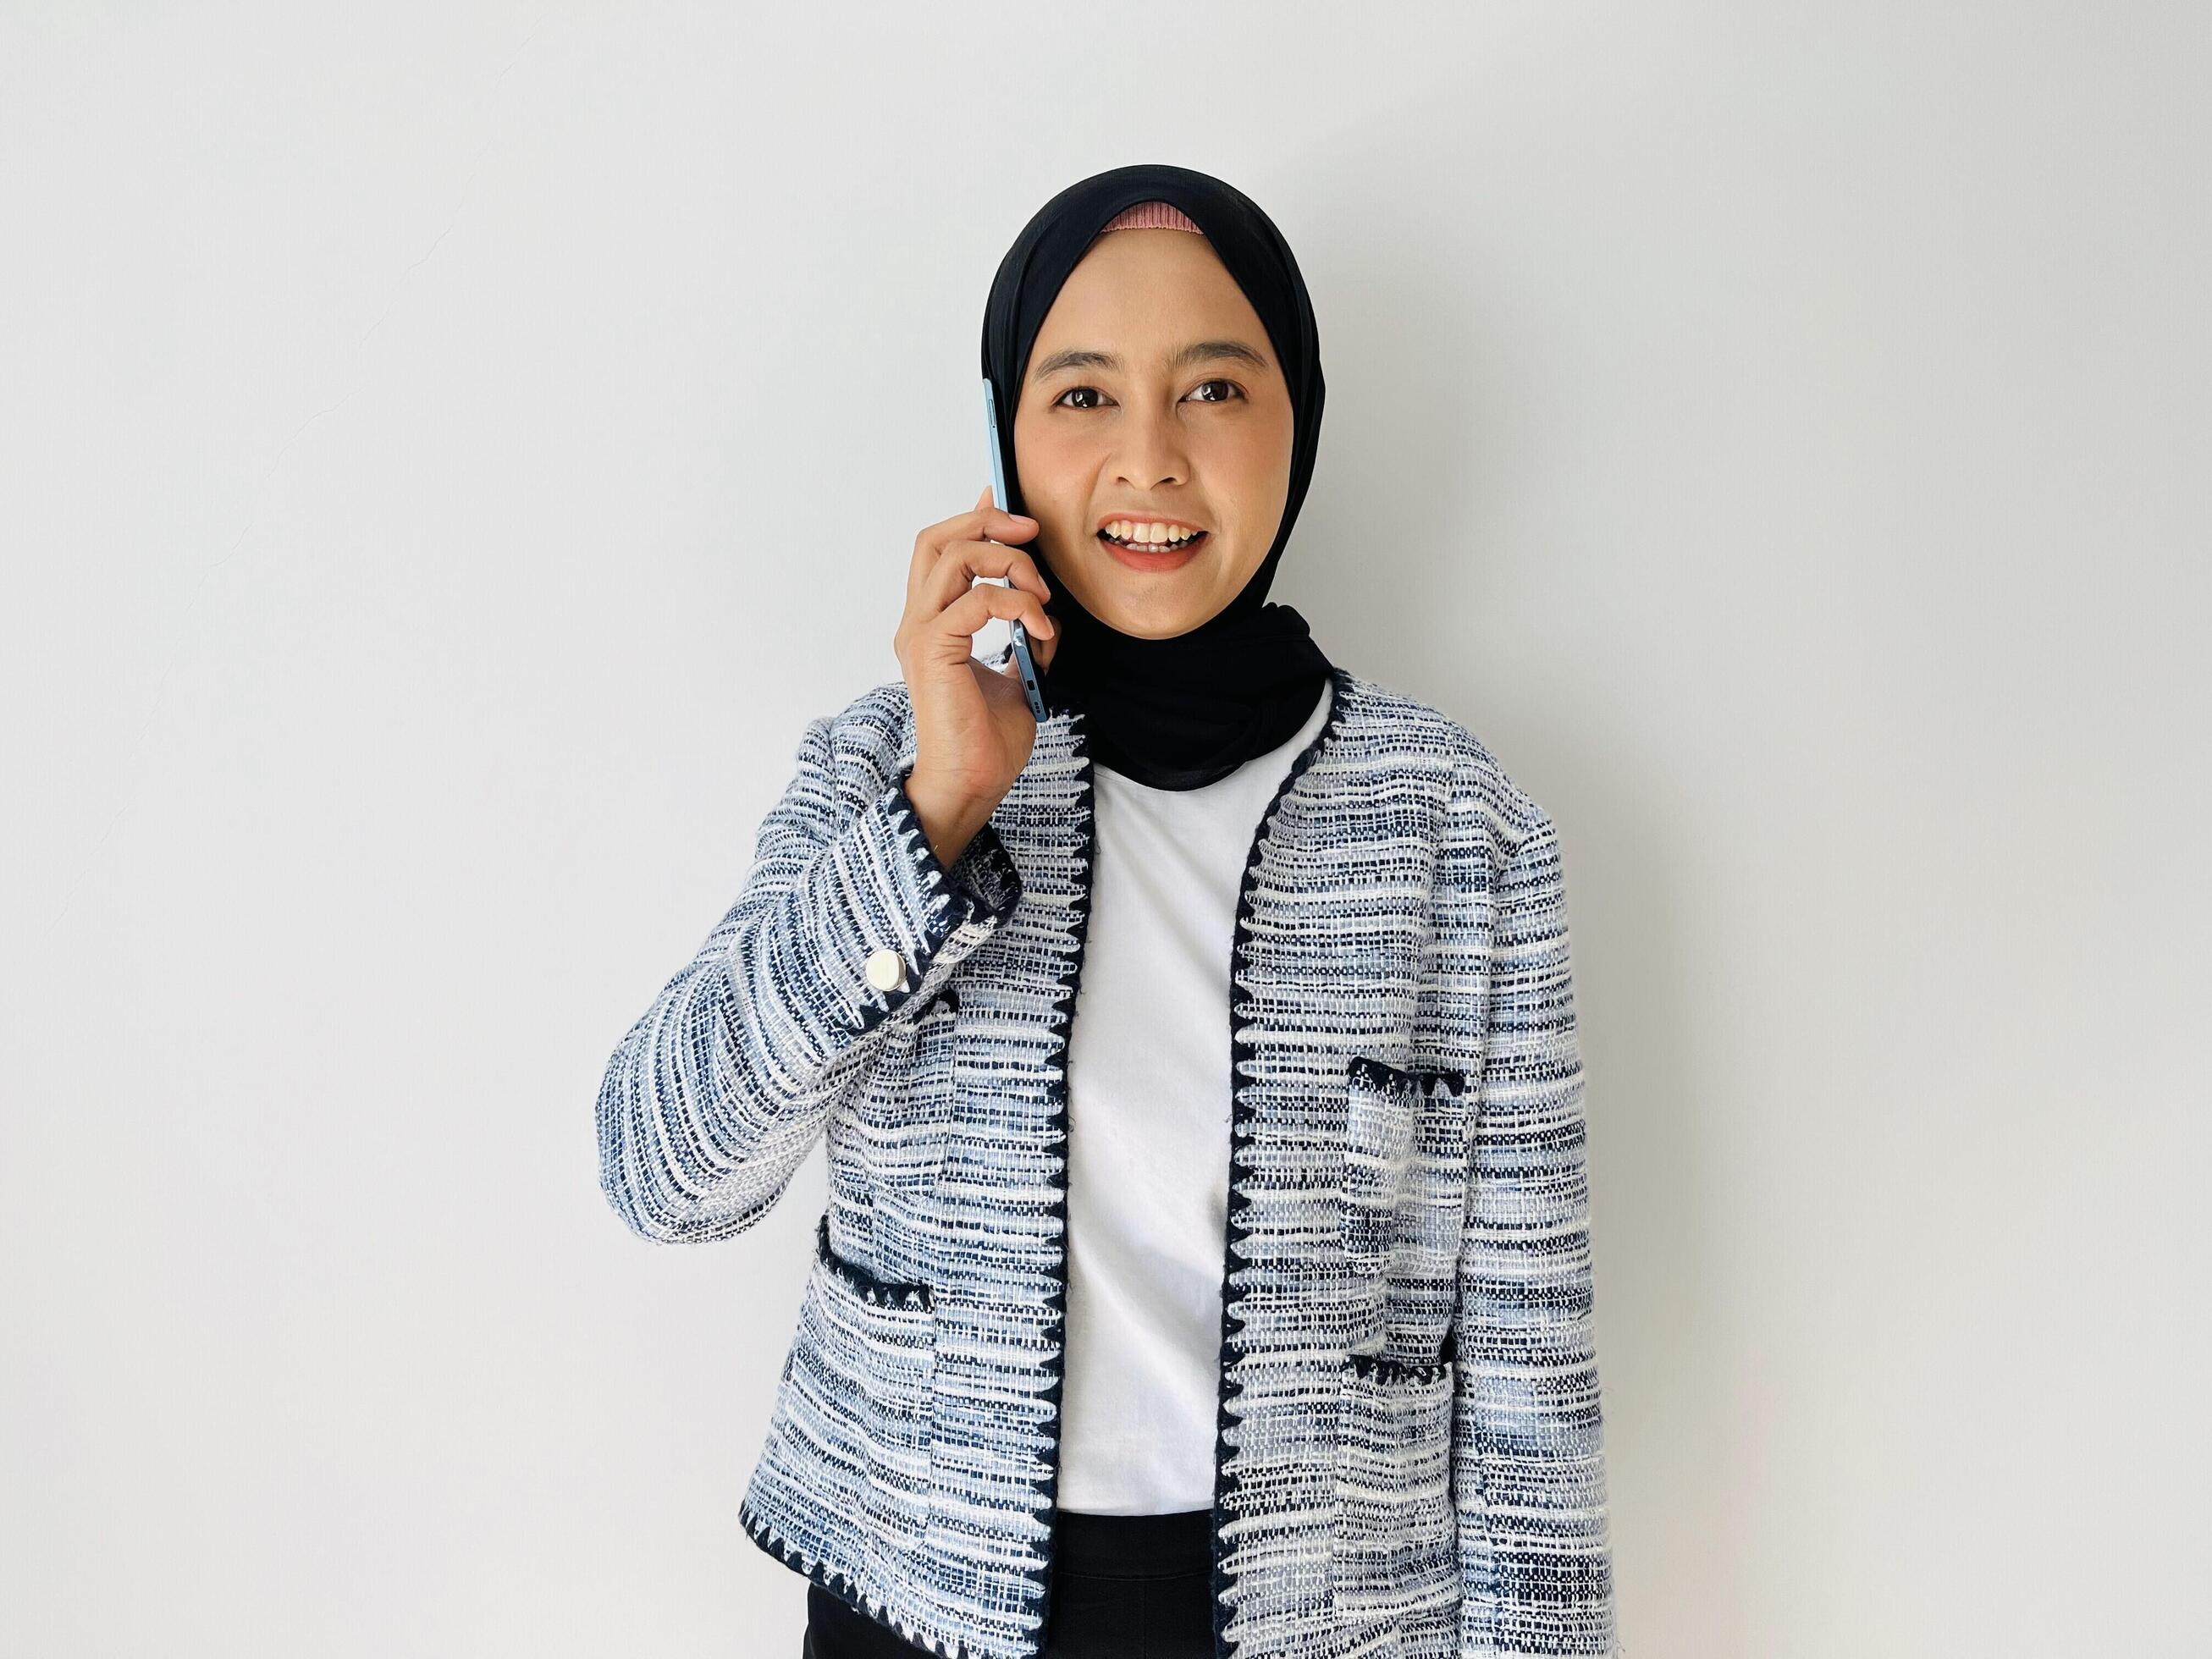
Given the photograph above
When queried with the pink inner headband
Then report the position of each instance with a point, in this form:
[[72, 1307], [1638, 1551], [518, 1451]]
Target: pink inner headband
[[1150, 215]]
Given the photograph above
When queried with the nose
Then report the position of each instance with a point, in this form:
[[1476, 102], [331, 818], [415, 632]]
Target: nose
[[1151, 452]]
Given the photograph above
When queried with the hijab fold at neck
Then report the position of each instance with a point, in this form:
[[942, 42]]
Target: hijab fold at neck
[[1182, 712]]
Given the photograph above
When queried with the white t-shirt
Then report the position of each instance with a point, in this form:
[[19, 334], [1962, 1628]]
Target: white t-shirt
[[1148, 1130]]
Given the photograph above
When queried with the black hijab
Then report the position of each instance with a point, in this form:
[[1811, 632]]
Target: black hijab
[[1178, 713]]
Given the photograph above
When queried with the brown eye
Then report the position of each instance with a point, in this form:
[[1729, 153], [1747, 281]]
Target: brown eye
[[1228, 387], [1074, 391]]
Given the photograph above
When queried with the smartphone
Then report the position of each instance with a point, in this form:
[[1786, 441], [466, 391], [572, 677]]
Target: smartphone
[[1025, 663]]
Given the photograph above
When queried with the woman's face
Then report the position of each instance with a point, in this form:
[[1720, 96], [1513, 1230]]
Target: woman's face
[[1153, 398]]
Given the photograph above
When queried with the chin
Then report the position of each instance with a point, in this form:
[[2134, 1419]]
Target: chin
[[1154, 622], [1152, 605]]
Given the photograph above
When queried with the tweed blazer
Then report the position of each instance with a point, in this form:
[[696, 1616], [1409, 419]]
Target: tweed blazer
[[1410, 1456]]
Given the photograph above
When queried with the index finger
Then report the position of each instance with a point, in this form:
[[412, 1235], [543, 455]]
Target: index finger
[[981, 522]]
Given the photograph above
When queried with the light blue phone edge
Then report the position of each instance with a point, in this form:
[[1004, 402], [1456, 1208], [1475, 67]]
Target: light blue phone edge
[[1024, 662]]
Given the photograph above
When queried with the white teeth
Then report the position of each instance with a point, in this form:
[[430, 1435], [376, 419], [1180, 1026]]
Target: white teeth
[[1128, 530]]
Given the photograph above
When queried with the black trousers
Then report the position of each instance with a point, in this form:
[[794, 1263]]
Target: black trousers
[[1123, 1586]]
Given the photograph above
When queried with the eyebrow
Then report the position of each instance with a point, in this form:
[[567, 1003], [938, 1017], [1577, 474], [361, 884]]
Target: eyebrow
[[1198, 351]]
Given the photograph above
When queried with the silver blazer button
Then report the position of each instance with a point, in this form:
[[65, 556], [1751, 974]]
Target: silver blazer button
[[886, 971]]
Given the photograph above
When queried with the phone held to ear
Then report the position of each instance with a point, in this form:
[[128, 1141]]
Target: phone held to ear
[[1026, 664]]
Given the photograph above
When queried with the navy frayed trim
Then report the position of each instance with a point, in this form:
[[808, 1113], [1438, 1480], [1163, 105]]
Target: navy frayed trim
[[1381, 1074], [844, 1587], [862, 1283], [1086, 850], [1240, 1130], [1383, 1369]]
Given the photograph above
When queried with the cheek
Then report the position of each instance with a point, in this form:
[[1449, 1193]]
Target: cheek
[[1258, 477], [1052, 466]]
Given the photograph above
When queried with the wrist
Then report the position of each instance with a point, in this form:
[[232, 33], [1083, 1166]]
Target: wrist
[[949, 821]]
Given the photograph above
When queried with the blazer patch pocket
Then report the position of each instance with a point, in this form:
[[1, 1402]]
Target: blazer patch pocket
[[876, 1341], [1404, 1204], [1395, 1556]]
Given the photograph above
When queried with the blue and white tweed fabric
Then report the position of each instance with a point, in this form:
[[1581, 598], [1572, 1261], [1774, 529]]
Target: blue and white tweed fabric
[[1410, 1460]]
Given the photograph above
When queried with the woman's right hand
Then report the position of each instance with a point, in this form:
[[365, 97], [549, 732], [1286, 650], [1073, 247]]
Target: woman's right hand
[[973, 728]]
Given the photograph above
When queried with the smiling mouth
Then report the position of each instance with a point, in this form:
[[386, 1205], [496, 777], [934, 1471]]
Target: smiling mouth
[[1159, 551]]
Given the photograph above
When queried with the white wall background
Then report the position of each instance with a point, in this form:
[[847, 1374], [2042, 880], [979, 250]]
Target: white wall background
[[447, 452]]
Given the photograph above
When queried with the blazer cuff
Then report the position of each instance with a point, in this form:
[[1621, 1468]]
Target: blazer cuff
[[888, 922]]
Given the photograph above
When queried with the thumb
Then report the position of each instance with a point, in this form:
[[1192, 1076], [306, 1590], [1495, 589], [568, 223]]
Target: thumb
[[984, 500]]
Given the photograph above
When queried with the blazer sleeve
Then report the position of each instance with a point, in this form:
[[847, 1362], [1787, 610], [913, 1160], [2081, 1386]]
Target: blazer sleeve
[[1527, 1440], [715, 1096]]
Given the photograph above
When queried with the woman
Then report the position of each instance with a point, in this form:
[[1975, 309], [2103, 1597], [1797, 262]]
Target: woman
[[1206, 1268]]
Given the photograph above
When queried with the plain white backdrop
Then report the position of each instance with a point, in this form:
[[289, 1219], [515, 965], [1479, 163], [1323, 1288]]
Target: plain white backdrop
[[448, 451]]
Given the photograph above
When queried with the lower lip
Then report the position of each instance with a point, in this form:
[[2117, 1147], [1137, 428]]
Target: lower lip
[[1157, 557]]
